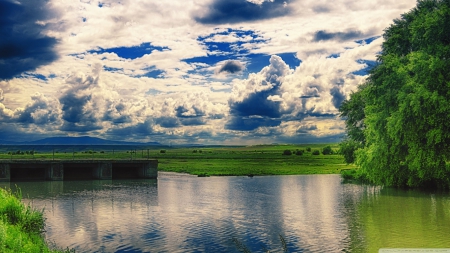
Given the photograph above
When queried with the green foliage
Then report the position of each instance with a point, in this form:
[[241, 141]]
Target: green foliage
[[162, 151], [316, 152], [21, 227], [287, 152], [299, 152], [347, 148], [308, 149], [397, 123], [327, 150]]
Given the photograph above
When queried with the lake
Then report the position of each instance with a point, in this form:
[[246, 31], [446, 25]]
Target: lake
[[183, 213]]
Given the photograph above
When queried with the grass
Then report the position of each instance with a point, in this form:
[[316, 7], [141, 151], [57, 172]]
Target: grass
[[251, 160], [21, 227], [220, 160]]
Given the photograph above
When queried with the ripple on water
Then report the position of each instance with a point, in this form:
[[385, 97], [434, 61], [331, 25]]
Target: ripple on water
[[180, 213]]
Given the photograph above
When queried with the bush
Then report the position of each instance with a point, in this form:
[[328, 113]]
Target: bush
[[316, 152], [308, 149], [287, 152], [327, 150], [194, 151], [299, 152], [162, 151]]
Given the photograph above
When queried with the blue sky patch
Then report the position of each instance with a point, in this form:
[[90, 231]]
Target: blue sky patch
[[367, 41], [130, 52], [34, 75], [155, 73], [111, 69], [365, 71], [218, 51], [337, 55]]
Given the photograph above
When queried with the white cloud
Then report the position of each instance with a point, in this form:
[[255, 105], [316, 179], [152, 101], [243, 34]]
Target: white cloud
[[123, 97]]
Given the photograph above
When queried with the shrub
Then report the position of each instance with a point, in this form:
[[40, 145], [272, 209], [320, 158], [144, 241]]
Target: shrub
[[316, 152], [308, 149], [327, 150], [162, 151], [299, 152], [194, 151], [287, 152]]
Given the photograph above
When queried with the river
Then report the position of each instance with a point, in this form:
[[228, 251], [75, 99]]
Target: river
[[183, 213]]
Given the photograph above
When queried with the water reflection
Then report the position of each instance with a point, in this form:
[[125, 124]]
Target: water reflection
[[182, 213]]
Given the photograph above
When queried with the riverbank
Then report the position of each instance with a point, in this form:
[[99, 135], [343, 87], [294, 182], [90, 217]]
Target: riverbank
[[21, 227], [257, 160]]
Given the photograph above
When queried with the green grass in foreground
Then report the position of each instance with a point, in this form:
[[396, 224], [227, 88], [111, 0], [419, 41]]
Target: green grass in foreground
[[21, 227]]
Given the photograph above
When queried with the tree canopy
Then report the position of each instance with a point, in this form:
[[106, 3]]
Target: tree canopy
[[398, 122]]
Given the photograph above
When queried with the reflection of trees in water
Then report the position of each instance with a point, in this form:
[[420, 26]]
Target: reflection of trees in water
[[396, 218], [351, 199]]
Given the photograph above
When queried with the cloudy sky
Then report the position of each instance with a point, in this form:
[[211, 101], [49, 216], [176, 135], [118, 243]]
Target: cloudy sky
[[185, 71]]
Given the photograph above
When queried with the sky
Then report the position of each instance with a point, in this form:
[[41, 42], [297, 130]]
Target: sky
[[227, 72]]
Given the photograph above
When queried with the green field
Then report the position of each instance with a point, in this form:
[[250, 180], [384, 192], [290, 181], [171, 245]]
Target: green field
[[214, 161]]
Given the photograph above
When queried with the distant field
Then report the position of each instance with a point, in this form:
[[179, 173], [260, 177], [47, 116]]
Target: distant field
[[212, 161]]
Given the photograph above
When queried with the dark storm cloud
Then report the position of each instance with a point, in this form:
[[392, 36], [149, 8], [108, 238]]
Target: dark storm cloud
[[231, 67], [339, 36], [256, 109], [308, 138], [306, 129], [257, 104], [73, 127], [167, 122], [234, 11], [248, 124], [195, 121], [73, 107], [23, 46], [139, 130], [338, 97], [13, 133], [184, 112]]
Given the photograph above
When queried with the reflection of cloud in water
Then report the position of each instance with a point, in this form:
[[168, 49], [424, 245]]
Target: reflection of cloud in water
[[103, 215], [182, 213]]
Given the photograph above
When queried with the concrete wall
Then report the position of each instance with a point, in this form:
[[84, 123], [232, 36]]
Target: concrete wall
[[102, 171], [54, 170], [4, 172], [149, 170]]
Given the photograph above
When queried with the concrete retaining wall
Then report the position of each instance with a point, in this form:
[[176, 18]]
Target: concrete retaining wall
[[54, 170]]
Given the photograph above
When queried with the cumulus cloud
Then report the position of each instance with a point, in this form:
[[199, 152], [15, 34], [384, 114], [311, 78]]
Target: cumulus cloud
[[24, 45], [252, 104], [231, 67], [235, 11], [339, 36], [337, 97]]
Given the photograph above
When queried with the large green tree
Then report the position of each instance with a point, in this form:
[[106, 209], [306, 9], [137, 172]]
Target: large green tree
[[399, 120]]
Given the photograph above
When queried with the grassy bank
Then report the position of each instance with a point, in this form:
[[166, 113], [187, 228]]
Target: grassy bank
[[21, 227], [252, 160], [217, 161]]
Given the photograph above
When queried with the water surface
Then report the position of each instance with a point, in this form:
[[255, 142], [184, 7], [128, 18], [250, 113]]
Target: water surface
[[182, 213]]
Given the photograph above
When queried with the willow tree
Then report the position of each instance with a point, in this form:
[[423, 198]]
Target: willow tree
[[404, 130]]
